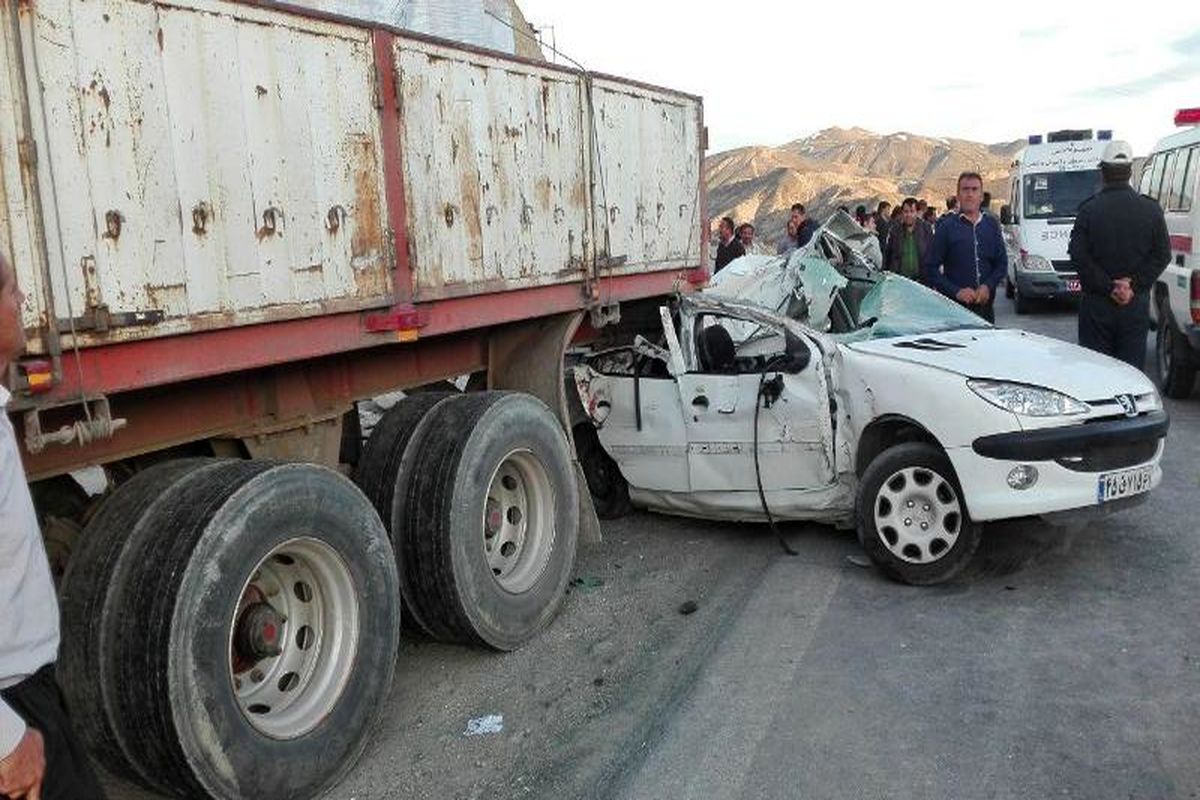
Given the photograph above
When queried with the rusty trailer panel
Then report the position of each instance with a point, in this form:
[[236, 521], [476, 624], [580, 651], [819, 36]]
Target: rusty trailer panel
[[520, 175], [202, 164], [184, 166]]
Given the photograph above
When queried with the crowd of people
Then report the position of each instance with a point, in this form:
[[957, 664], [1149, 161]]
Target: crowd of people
[[1119, 247]]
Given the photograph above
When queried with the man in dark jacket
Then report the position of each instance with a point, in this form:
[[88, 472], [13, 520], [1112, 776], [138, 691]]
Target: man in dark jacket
[[883, 223], [728, 248], [967, 259], [1119, 246], [805, 227], [908, 243]]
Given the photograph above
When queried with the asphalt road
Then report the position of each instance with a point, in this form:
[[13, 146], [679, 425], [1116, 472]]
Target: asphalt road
[[1062, 664]]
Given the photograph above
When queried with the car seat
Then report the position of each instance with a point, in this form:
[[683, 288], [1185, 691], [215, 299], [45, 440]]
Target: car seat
[[716, 350]]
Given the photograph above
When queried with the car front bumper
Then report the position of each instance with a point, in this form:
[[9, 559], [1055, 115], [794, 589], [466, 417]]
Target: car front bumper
[[1070, 460]]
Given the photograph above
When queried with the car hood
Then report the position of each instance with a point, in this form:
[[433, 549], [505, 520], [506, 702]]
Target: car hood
[[1018, 356]]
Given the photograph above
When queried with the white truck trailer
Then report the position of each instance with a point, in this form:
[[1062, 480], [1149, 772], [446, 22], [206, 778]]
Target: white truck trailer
[[233, 221]]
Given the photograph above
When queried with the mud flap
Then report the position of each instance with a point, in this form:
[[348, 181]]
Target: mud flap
[[518, 356]]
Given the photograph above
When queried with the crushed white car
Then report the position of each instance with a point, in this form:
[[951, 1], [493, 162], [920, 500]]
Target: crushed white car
[[862, 399]]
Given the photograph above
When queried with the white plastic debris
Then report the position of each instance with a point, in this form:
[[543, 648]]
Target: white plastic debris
[[482, 726]]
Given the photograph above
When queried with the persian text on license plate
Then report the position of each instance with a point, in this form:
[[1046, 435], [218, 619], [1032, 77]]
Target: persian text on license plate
[[1072, 286], [1116, 485]]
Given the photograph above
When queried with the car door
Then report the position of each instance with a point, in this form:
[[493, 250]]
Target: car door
[[635, 403], [795, 437]]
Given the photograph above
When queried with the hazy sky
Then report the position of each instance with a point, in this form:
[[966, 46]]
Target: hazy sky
[[771, 71]]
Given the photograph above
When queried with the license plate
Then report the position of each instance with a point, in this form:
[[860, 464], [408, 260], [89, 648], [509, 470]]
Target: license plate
[[1072, 285], [1116, 485]]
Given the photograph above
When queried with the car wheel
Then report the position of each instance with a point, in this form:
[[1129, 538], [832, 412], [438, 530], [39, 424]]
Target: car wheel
[[1008, 288], [1175, 368], [491, 520], [609, 490], [1021, 303], [912, 520], [267, 611]]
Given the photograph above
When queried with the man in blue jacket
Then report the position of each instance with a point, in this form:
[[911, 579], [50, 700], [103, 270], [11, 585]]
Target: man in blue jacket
[[967, 259]]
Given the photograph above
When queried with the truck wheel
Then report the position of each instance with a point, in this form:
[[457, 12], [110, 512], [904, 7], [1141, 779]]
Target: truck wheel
[[1175, 368], [379, 467], [491, 520], [82, 601], [609, 490], [912, 521], [267, 620]]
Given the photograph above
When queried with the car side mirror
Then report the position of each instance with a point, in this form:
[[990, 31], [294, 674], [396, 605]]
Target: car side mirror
[[1006, 215], [797, 354]]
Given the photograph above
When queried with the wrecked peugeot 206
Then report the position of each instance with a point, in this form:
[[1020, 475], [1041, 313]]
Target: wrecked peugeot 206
[[814, 387]]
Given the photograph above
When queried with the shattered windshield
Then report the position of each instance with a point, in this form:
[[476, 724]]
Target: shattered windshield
[[897, 306]]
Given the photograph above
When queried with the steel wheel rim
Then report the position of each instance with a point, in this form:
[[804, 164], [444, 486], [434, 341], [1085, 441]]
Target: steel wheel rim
[[918, 515], [518, 528], [314, 606]]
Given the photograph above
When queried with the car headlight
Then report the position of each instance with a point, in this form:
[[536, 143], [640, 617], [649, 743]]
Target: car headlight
[[1032, 263], [1029, 401]]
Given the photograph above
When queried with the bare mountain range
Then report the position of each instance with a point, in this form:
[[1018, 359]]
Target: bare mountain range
[[839, 166]]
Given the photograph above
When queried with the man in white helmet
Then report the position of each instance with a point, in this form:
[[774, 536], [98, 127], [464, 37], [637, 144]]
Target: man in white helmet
[[1119, 246]]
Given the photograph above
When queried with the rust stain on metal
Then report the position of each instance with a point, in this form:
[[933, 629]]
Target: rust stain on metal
[[162, 294], [87, 265], [159, 36], [448, 214], [272, 221], [367, 235], [469, 187], [311, 269], [544, 189], [200, 215], [579, 195], [260, 90], [334, 219], [112, 224]]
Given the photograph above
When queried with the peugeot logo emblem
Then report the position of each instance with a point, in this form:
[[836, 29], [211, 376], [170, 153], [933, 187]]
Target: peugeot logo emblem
[[1128, 404]]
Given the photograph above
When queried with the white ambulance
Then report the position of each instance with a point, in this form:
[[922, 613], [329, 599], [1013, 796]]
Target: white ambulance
[[1050, 180], [1170, 177]]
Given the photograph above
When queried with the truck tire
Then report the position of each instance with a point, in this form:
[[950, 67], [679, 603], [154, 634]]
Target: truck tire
[[608, 487], [83, 608], [267, 612], [491, 520], [912, 520], [1175, 367], [379, 467]]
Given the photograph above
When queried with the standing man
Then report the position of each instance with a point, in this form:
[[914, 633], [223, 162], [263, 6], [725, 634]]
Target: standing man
[[745, 234], [1119, 246], [728, 248], [967, 259], [908, 243], [805, 227], [883, 223], [789, 242], [40, 758]]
